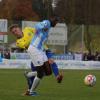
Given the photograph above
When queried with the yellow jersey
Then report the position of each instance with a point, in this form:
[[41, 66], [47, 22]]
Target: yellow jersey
[[28, 34]]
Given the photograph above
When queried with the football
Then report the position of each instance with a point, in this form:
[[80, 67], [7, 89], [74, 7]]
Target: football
[[90, 80]]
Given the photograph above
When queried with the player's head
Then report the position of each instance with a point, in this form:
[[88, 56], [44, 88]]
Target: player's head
[[53, 20], [16, 30], [44, 25]]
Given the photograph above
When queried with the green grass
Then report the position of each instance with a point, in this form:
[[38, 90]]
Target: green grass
[[13, 84]]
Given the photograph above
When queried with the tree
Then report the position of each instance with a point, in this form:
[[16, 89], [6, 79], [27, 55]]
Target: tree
[[80, 12], [17, 10]]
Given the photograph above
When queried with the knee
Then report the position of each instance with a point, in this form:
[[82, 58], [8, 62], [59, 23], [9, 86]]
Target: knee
[[40, 75], [51, 61]]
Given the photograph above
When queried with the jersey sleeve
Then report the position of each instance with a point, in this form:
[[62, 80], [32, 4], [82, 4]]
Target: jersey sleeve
[[22, 43]]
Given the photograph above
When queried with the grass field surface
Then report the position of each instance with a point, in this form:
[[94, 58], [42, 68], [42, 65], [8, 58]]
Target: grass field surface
[[13, 84]]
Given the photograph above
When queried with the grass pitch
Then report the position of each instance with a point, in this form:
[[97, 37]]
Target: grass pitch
[[13, 84]]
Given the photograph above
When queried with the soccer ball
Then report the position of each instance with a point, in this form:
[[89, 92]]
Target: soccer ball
[[90, 80]]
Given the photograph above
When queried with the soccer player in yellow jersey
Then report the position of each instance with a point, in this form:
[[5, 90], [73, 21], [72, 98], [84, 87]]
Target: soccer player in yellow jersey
[[25, 37], [23, 40]]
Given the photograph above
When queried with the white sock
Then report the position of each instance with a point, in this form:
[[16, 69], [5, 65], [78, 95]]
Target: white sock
[[35, 83], [30, 74]]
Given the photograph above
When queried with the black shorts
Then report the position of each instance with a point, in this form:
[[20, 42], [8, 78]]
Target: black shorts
[[45, 69]]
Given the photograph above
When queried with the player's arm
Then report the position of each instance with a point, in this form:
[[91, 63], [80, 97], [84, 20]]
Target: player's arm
[[21, 43]]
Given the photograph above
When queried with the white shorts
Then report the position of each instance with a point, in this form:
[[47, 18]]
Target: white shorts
[[37, 56]]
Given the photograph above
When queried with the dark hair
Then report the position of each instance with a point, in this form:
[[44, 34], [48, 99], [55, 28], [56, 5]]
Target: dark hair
[[54, 19], [13, 26]]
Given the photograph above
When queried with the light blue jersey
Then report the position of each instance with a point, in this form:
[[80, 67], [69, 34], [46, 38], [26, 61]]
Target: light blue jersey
[[41, 35]]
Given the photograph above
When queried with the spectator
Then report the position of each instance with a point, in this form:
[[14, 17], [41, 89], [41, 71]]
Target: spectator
[[7, 55]]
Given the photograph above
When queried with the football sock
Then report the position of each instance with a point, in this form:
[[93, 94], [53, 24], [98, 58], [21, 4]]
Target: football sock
[[35, 84], [55, 69]]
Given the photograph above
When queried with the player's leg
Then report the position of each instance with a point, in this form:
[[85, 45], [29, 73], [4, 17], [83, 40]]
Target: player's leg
[[37, 79], [47, 68], [54, 66], [30, 77], [47, 71], [42, 70], [55, 70], [38, 61], [33, 68]]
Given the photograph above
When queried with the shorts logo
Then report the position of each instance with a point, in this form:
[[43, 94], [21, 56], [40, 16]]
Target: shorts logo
[[39, 62]]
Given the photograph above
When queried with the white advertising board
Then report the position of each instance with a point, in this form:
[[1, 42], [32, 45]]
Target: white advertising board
[[3, 30], [3, 25], [73, 64], [11, 64], [58, 35], [3, 38], [62, 64]]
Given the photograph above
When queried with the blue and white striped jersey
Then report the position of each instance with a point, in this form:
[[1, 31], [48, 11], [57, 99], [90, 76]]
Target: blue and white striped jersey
[[41, 34]]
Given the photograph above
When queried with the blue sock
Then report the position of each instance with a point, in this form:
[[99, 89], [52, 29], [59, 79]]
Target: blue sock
[[55, 69]]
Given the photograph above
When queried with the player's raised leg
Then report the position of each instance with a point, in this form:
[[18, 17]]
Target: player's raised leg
[[54, 66]]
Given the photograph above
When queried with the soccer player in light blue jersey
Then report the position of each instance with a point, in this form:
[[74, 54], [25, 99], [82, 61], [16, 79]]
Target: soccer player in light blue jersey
[[38, 56]]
